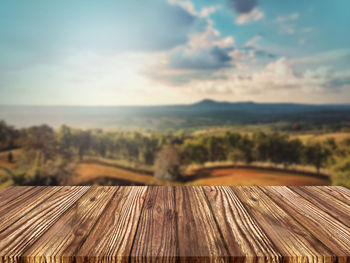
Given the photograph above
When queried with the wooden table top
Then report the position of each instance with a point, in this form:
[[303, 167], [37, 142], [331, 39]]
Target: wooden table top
[[156, 223]]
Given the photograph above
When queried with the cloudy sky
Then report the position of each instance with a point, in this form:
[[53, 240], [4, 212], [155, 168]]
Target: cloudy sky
[[105, 52]]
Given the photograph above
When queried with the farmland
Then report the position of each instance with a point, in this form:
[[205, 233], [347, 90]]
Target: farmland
[[41, 155], [89, 173], [246, 176]]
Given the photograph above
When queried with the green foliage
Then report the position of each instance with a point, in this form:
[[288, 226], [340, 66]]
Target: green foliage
[[341, 171], [49, 156], [236, 155], [40, 138], [317, 154], [8, 137], [33, 170], [194, 152]]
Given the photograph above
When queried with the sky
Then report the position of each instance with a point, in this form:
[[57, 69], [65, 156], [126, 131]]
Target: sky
[[135, 52]]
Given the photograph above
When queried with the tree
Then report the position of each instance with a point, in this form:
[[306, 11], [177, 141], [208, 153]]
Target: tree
[[316, 154], [292, 152], [236, 155], [167, 164], [261, 146], [246, 146], [10, 157], [41, 138], [82, 141], [8, 136], [215, 148], [65, 141], [194, 152]]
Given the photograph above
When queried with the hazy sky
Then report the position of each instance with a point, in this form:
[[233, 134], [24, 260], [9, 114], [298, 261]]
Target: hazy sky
[[106, 52]]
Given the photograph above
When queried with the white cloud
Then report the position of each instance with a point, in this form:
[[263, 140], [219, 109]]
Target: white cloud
[[253, 16], [253, 41], [279, 76], [207, 11], [287, 29], [286, 18], [187, 5], [332, 57], [287, 23], [208, 39]]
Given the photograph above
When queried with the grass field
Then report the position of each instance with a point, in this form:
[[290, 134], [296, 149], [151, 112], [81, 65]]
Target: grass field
[[337, 136], [4, 181], [243, 176], [3, 158]]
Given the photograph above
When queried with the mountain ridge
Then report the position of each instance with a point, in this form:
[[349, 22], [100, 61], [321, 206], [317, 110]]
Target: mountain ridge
[[204, 113]]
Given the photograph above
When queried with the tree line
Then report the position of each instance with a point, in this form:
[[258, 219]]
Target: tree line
[[49, 151]]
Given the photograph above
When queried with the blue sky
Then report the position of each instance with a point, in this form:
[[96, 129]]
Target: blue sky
[[174, 51]]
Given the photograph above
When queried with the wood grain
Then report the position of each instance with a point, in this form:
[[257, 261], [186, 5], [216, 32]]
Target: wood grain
[[155, 239], [18, 207], [328, 203], [64, 238], [292, 240], [175, 224], [25, 232], [339, 192], [113, 235], [244, 237], [8, 194], [334, 234], [198, 234]]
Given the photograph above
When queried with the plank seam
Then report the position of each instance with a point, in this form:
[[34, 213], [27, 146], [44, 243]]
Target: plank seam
[[10, 200], [335, 197], [24, 214], [298, 222], [138, 223], [280, 254], [216, 221], [312, 202], [56, 220], [177, 257], [94, 225]]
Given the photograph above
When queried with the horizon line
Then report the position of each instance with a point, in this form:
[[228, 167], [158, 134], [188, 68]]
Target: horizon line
[[171, 104]]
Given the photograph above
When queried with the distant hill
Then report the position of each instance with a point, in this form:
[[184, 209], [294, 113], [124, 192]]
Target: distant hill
[[205, 113]]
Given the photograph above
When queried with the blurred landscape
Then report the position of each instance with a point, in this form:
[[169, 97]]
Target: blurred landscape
[[190, 117], [206, 143], [174, 92]]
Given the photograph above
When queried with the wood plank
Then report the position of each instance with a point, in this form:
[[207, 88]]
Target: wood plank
[[64, 238], [293, 241], [155, 239], [11, 193], [26, 231], [339, 192], [332, 233], [20, 206], [326, 202], [238, 224], [242, 233], [199, 238], [112, 237]]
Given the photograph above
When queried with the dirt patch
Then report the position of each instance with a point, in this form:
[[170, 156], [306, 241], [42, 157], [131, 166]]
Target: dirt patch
[[91, 173], [244, 176]]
